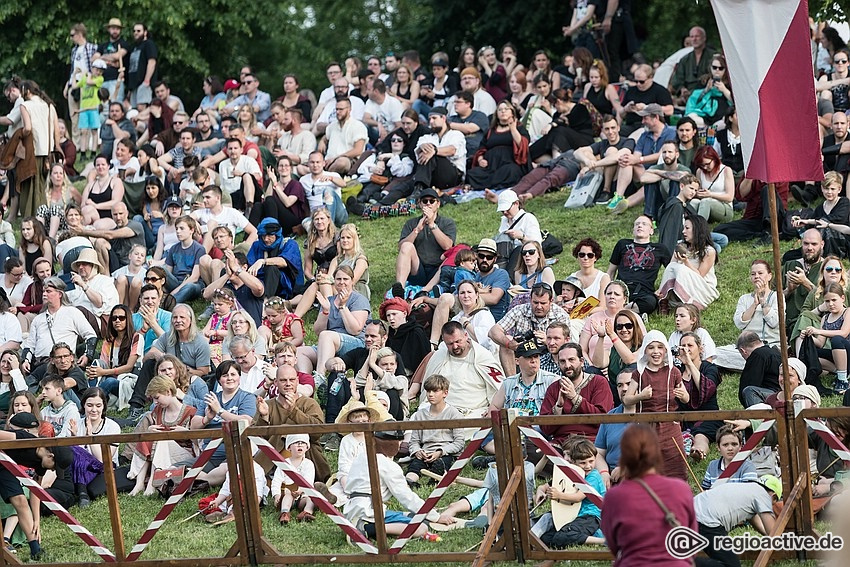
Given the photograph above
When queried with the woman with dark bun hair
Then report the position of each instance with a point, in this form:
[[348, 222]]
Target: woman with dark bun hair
[[634, 512]]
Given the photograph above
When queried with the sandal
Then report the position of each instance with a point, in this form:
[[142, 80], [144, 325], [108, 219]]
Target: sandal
[[284, 518]]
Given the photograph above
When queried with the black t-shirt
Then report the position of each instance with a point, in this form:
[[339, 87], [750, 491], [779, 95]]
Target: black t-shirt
[[638, 264], [473, 141], [599, 148], [138, 63], [356, 358], [249, 302], [111, 73], [28, 457], [655, 93], [834, 162]]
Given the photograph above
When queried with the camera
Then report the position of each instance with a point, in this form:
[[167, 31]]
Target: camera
[[526, 336], [674, 350]]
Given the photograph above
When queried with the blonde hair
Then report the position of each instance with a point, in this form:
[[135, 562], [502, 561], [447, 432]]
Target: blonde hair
[[314, 235], [384, 352], [252, 328], [66, 185], [351, 230], [161, 385]]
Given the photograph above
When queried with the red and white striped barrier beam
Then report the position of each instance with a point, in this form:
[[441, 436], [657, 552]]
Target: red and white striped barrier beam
[[175, 498], [543, 444], [57, 509], [329, 509], [440, 489], [748, 448], [830, 439]]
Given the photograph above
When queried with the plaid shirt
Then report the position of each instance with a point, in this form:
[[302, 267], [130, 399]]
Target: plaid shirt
[[528, 400], [90, 50], [520, 319]]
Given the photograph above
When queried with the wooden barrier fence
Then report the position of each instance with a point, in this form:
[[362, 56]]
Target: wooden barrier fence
[[509, 537]]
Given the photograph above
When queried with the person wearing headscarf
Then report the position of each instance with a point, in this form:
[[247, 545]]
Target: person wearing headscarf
[[405, 336], [275, 260]]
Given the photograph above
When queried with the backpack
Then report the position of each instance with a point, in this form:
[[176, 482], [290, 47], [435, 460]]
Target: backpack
[[595, 116], [584, 191]]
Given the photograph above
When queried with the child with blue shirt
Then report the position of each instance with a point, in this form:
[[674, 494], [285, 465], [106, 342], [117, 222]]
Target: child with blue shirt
[[582, 453], [465, 260], [729, 444]]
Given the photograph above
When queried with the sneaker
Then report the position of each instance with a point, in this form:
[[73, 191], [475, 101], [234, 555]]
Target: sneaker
[[83, 500], [621, 207], [432, 537], [8, 545], [332, 444], [37, 555], [840, 386], [325, 438], [603, 198], [135, 414], [207, 313], [323, 489], [481, 462], [614, 201]]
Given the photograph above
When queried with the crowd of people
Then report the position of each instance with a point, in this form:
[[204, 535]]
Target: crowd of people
[[180, 208]]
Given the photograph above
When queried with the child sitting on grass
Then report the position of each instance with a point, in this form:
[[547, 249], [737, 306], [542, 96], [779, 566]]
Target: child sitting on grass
[[221, 507], [59, 412], [729, 444], [434, 449], [286, 493], [582, 453]]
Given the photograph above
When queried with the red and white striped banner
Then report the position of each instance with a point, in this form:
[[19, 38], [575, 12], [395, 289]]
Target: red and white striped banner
[[329, 509], [57, 509], [439, 490], [543, 444], [830, 439], [748, 447], [175, 498]]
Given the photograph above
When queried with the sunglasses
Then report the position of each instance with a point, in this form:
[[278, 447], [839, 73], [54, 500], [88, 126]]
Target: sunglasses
[[586, 255], [486, 257], [541, 285], [428, 201], [152, 279], [840, 61], [641, 82], [529, 252], [119, 317], [832, 269], [621, 326], [397, 141], [178, 122], [716, 68]]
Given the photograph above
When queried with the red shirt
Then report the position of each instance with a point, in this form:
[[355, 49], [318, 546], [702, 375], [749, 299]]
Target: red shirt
[[596, 398]]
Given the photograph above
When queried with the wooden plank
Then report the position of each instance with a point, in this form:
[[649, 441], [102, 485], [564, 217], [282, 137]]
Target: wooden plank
[[112, 499], [490, 536], [797, 493], [377, 500]]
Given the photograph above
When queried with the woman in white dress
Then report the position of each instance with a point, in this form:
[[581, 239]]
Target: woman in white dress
[[689, 277], [593, 280]]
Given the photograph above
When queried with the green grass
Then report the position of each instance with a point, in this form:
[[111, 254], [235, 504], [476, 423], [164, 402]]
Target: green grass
[[379, 238]]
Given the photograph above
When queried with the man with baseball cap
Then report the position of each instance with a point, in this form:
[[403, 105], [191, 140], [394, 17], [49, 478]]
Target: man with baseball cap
[[114, 54], [494, 280], [647, 151], [440, 155], [423, 240]]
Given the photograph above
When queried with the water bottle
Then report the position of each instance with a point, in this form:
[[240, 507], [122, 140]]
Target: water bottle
[[337, 384]]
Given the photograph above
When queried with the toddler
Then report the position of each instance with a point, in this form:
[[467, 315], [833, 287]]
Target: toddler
[[286, 493], [224, 306]]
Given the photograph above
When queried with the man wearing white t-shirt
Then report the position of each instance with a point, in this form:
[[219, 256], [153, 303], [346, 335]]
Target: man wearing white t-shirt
[[215, 214], [345, 139], [239, 176], [441, 155], [382, 112], [322, 189]]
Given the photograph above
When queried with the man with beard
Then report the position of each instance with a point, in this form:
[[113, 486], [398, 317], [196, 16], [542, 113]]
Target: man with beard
[[800, 276], [576, 393], [835, 150], [474, 373], [557, 335], [494, 280], [422, 242], [115, 128], [405, 337], [440, 155], [533, 317], [295, 142], [329, 112], [686, 131], [636, 262], [661, 181], [345, 139], [208, 138], [113, 52], [141, 69]]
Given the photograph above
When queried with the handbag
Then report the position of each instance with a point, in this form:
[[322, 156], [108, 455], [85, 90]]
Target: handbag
[[551, 245]]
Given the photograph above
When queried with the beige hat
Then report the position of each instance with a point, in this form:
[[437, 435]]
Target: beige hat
[[352, 407], [87, 256], [799, 367], [114, 23], [809, 392]]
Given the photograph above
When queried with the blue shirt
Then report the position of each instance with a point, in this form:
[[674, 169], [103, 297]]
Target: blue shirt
[[163, 317], [608, 438], [242, 403], [588, 508], [183, 260], [648, 145], [746, 473], [498, 278]]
